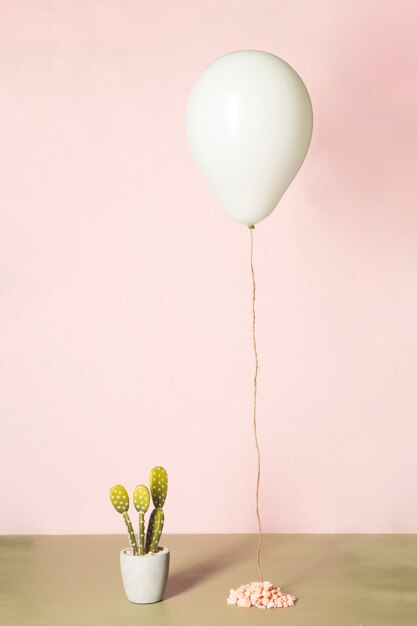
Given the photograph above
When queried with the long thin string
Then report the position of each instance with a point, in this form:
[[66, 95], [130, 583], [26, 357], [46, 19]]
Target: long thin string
[[255, 390]]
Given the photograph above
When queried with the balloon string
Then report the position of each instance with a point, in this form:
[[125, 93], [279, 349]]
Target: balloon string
[[255, 390]]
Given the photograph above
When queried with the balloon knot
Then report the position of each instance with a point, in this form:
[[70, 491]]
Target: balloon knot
[[251, 226]]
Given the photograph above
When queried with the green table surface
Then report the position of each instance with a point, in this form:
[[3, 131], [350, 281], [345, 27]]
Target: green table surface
[[339, 580]]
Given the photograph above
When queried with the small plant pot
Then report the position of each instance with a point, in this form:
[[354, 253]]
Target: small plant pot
[[144, 577]]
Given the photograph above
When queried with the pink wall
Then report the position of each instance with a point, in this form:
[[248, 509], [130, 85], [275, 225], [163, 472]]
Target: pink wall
[[125, 291]]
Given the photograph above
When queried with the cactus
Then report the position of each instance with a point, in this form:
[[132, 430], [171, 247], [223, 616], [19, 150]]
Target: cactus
[[120, 501], [141, 500], [155, 526]]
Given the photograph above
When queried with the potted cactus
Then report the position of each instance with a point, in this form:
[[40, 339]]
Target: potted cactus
[[145, 564]]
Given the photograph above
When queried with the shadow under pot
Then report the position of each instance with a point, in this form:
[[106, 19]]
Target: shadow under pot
[[144, 576]]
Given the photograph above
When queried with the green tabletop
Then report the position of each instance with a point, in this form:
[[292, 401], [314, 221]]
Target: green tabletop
[[339, 580]]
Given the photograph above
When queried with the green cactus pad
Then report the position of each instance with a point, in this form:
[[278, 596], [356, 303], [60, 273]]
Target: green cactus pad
[[155, 526], [119, 499], [158, 482], [141, 498]]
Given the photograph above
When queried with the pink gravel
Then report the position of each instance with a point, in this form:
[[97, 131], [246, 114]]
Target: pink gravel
[[262, 595]]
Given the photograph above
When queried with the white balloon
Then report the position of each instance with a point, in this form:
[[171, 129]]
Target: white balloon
[[249, 122]]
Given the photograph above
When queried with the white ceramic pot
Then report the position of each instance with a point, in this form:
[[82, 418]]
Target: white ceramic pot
[[144, 577]]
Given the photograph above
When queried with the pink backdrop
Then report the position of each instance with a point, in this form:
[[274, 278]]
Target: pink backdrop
[[125, 291]]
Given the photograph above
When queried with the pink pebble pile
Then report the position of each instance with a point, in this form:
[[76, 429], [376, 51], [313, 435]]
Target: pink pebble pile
[[262, 595]]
